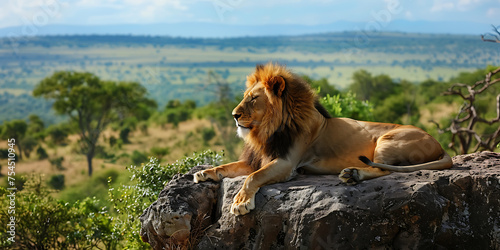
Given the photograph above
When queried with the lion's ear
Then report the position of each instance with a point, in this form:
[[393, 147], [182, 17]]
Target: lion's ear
[[276, 85]]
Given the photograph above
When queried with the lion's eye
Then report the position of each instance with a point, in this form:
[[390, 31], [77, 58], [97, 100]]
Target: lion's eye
[[253, 98]]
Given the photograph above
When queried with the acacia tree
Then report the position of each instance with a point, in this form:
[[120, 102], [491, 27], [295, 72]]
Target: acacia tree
[[92, 104], [15, 129]]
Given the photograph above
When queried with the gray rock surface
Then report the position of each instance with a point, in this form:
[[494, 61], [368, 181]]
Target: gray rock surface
[[458, 208]]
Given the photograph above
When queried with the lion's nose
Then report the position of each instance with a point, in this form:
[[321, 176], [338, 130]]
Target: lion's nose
[[236, 116]]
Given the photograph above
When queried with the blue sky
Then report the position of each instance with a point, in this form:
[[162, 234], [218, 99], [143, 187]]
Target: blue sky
[[244, 12]]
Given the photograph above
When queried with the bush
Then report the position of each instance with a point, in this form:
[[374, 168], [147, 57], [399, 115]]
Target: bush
[[158, 152], [138, 157], [147, 182], [42, 222], [58, 133], [394, 107], [346, 105], [29, 143], [124, 133], [57, 181], [19, 182], [177, 112], [207, 134], [42, 154], [143, 127], [112, 141], [57, 162], [4, 153]]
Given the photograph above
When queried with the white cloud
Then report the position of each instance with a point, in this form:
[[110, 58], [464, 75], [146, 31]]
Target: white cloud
[[409, 15], [132, 11], [460, 5], [493, 12], [440, 5], [464, 5], [135, 5], [30, 12]]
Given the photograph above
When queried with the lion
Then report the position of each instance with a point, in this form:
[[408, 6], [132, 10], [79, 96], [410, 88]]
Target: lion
[[285, 129]]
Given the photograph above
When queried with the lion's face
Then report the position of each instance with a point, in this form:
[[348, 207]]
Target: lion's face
[[249, 114]]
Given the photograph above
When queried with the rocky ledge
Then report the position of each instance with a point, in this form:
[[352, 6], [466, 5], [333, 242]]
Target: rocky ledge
[[458, 208]]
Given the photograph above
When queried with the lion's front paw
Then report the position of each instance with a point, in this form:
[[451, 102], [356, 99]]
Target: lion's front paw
[[349, 176], [205, 175], [243, 202]]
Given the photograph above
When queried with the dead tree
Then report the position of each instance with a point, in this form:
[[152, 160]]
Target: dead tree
[[463, 125], [496, 35]]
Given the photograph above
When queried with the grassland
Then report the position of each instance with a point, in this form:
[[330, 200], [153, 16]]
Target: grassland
[[181, 140], [177, 68]]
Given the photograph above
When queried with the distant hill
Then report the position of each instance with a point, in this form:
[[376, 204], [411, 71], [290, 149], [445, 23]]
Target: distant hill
[[223, 30]]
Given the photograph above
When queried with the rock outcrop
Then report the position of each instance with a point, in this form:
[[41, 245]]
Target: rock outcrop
[[458, 208]]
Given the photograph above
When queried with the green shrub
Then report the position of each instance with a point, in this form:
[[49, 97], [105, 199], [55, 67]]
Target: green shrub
[[57, 162], [19, 181], [29, 143], [4, 153], [176, 112], [143, 127], [394, 107], [124, 134], [147, 181], [43, 222], [207, 134], [137, 157], [158, 152], [112, 141], [58, 133], [57, 181], [346, 105], [41, 153]]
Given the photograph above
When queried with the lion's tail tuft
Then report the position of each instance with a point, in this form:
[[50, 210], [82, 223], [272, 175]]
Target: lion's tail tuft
[[365, 160]]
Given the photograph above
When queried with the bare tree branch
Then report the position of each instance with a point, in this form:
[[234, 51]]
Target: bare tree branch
[[464, 125], [496, 36]]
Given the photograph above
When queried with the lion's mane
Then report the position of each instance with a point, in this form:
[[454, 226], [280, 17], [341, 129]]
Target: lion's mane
[[287, 116]]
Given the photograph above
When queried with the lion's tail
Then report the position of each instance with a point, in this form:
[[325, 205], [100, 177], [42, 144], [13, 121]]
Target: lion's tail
[[443, 163]]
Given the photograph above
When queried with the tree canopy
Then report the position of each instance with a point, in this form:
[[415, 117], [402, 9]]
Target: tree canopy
[[93, 103], [15, 129]]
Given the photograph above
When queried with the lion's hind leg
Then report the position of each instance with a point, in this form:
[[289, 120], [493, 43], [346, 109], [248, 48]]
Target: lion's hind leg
[[406, 145], [403, 146]]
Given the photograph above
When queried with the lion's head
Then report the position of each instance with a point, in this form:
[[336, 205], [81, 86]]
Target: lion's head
[[277, 106]]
